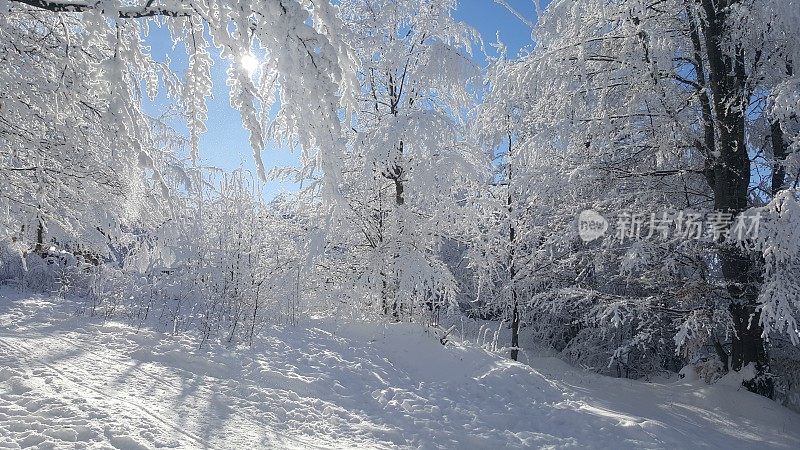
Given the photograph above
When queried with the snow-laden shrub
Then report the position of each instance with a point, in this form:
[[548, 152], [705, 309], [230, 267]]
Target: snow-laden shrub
[[56, 271], [785, 367], [12, 260]]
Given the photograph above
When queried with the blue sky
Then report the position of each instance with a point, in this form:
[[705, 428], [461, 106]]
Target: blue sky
[[226, 144]]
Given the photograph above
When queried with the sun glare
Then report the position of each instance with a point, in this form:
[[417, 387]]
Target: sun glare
[[249, 63]]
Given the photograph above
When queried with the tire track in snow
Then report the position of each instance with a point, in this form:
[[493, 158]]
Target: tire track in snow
[[253, 416], [23, 353], [234, 393]]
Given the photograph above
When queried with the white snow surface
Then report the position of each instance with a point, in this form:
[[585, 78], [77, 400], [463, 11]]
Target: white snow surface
[[72, 382]]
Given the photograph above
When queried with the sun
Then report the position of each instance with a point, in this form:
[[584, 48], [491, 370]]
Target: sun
[[249, 63]]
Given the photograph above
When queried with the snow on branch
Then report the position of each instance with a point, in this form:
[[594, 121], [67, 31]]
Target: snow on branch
[[146, 10]]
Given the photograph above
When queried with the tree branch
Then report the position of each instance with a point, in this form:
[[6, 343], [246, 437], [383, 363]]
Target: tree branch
[[124, 13]]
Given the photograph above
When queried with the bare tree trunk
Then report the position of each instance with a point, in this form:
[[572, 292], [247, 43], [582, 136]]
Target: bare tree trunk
[[731, 175]]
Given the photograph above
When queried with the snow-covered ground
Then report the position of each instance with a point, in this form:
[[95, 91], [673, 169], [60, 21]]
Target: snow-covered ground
[[70, 382]]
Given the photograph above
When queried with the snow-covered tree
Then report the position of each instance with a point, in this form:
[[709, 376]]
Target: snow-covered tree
[[305, 68], [408, 157], [64, 149], [648, 108]]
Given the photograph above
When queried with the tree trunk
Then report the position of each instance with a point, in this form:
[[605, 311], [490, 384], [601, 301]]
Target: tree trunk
[[39, 235], [778, 156], [779, 148], [512, 276], [399, 200], [731, 174], [708, 145], [512, 271], [514, 326]]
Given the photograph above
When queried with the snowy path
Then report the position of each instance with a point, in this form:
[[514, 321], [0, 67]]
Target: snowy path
[[66, 382]]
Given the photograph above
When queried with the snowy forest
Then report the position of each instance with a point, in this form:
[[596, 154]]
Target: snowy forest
[[594, 239]]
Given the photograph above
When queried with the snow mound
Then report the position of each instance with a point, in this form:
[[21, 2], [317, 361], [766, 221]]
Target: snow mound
[[68, 382]]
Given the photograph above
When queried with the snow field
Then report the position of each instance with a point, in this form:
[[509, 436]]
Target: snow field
[[70, 382]]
